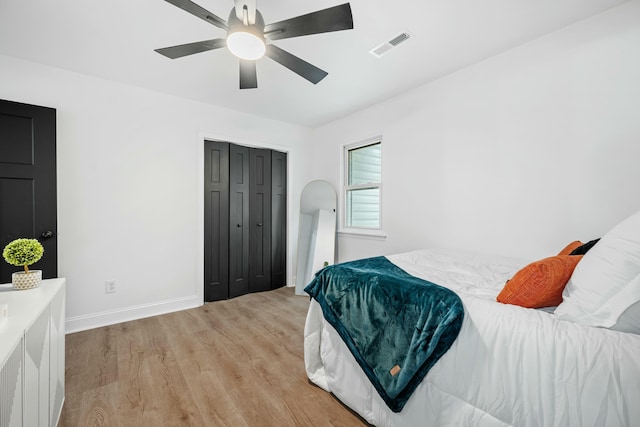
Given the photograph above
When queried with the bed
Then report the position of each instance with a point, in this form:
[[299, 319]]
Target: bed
[[510, 365]]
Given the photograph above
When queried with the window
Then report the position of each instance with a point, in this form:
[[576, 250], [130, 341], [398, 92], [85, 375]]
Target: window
[[363, 183]]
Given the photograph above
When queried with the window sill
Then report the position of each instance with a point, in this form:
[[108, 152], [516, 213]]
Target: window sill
[[363, 234]]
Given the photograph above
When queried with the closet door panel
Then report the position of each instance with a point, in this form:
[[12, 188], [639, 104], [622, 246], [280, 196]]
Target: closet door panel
[[239, 221], [278, 219], [260, 220], [216, 224]]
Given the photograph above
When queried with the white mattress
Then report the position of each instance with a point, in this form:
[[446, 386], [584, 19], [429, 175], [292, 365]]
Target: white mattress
[[510, 366]]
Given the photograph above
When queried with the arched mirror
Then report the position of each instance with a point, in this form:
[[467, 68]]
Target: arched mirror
[[317, 233]]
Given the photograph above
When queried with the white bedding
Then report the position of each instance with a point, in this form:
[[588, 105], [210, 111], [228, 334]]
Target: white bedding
[[510, 366]]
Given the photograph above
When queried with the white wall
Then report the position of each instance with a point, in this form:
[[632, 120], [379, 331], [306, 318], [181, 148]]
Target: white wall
[[130, 186], [517, 155]]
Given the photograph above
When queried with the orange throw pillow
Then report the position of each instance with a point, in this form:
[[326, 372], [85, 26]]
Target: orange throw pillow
[[570, 247], [540, 284]]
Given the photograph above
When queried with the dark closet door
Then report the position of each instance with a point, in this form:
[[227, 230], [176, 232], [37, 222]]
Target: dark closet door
[[260, 220], [28, 182], [239, 220], [278, 219], [216, 224]]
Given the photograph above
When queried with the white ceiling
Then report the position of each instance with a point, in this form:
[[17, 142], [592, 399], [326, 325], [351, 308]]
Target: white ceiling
[[115, 39]]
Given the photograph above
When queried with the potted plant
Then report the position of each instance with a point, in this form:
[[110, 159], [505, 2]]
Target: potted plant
[[24, 252]]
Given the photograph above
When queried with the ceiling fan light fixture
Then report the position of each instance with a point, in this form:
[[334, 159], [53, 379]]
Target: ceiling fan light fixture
[[244, 40], [247, 33], [245, 44]]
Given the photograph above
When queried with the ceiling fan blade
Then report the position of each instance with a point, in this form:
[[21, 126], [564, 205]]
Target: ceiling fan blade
[[251, 10], [335, 18], [179, 51], [200, 12], [295, 64], [248, 76]]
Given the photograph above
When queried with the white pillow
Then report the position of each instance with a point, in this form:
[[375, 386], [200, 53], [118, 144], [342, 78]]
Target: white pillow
[[606, 282]]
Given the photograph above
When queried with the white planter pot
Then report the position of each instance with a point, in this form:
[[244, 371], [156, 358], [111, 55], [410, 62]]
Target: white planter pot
[[26, 280]]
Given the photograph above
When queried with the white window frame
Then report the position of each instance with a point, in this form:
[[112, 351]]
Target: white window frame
[[344, 159]]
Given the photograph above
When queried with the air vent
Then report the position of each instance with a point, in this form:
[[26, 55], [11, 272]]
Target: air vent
[[385, 47]]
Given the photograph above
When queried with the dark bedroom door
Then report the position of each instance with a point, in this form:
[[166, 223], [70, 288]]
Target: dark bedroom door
[[28, 182]]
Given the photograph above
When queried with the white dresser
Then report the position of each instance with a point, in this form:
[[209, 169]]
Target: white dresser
[[32, 355]]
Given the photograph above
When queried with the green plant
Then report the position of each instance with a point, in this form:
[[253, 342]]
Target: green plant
[[23, 252]]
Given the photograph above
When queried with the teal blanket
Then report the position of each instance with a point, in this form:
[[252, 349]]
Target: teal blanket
[[396, 325]]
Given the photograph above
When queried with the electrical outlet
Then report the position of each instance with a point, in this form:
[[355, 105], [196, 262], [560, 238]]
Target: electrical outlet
[[110, 287]]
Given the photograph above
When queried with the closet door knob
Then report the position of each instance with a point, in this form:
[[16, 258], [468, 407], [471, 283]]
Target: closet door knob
[[259, 224], [239, 225]]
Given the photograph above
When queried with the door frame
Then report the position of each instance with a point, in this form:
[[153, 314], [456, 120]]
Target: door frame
[[200, 189]]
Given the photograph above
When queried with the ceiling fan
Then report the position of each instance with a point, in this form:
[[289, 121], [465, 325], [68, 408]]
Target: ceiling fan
[[247, 37]]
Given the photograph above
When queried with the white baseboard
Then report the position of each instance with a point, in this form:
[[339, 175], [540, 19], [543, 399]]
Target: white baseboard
[[106, 318]]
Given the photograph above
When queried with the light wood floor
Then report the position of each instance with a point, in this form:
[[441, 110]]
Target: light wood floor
[[230, 363]]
